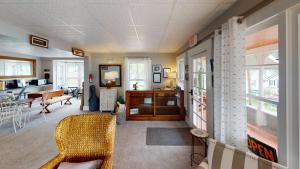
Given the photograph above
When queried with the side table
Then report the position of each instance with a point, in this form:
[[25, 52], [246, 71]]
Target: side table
[[202, 136]]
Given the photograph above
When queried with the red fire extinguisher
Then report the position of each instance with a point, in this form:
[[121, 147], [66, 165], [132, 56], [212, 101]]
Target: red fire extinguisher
[[90, 78]]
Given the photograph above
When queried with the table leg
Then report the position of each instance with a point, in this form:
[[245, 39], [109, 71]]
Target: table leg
[[192, 155], [205, 147]]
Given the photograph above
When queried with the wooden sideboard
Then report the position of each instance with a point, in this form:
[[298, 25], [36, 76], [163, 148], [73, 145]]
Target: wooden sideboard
[[155, 105]]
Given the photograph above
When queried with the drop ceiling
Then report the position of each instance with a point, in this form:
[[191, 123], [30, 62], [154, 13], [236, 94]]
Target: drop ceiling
[[115, 25]]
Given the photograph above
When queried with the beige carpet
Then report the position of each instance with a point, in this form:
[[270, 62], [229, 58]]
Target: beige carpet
[[33, 145]]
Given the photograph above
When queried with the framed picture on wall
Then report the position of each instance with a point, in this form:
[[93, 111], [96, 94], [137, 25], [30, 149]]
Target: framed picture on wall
[[156, 77], [165, 72], [156, 68], [186, 76], [109, 74]]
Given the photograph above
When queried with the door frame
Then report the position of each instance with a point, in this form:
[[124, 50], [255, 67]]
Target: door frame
[[293, 81], [204, 47]]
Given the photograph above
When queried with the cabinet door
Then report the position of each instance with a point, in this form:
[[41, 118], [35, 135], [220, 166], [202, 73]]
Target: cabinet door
[[111, 99], [103, 100]]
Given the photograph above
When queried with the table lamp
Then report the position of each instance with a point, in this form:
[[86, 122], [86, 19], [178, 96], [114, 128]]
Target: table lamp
[[172, 76]]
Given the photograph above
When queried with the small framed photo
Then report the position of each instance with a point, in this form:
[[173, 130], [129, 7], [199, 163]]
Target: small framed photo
[[156, 68], [156, 77], [186, 76], [165, 72], [186, 67]]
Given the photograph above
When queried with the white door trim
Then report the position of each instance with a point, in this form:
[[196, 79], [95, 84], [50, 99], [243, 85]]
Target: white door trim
[[205, 48], [292, 86]]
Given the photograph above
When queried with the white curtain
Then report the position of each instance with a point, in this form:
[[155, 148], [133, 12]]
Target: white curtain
[[148, 70], [230, 117], [146, 61]]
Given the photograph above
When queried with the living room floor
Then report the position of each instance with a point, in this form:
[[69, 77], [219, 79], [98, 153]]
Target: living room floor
[[34, 145]]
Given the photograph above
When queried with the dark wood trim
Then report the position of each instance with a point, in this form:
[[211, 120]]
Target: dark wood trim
[[21, 59], [31, 37], [110, 65], [78, 52], [163, 72]]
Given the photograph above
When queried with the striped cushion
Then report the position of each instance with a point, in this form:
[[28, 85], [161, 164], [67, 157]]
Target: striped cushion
[[203, 165], [221, 156]]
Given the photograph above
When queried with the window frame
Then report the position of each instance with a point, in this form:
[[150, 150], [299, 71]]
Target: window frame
[[64, 64], [33, 68], [279, 20], [129, 77], [181, 80], [262, 67]]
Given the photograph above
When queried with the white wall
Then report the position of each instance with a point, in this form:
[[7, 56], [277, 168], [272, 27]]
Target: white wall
[[92, 66], [21, 35]]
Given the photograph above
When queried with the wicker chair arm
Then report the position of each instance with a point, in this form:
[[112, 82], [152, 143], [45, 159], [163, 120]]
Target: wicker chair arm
[[107, 163], [53, 163]]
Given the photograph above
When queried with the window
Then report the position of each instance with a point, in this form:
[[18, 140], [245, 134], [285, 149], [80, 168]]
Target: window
[[68, 73], [181, 71], [199, 92], [262, 85], [138, 71], [16, 67]]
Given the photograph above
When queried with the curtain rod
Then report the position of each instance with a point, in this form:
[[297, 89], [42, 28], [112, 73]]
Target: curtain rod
[[257, 7], [244, 15]]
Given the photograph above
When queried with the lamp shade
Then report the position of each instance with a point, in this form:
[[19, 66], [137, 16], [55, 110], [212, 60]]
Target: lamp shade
[[172, 75]]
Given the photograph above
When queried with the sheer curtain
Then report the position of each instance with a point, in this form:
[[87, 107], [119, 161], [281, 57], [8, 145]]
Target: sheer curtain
[[230, 117], [145, 75]]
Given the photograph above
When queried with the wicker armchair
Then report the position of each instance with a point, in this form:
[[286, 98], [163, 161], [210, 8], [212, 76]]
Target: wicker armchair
[[83, 138]]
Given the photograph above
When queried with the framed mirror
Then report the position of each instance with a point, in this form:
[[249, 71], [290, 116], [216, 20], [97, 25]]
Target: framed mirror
[[110, 74], [14, 67]]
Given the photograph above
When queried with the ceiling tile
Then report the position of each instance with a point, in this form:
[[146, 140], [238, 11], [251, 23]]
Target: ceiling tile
[[114, 25]]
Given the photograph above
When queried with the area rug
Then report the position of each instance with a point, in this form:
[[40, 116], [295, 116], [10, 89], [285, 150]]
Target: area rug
[[168, 136]]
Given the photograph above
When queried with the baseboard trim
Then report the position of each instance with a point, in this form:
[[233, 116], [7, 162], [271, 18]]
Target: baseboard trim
[[85, 108]]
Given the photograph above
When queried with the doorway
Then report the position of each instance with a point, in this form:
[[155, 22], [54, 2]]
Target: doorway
[[200, 87]]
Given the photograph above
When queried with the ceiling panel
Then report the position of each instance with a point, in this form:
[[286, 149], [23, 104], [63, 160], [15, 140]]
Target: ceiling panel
[[114, 25]]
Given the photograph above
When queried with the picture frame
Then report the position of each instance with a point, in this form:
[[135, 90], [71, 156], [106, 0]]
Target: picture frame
[[156, 77], [38, 41], [156, 68], [165, 72], [77, 52], [186, 67], [110, 70], [186, 76]]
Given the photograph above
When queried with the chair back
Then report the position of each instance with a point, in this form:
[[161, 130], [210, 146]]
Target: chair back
[[87, 136], [223, 156], [8, 110], [20, 94]]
